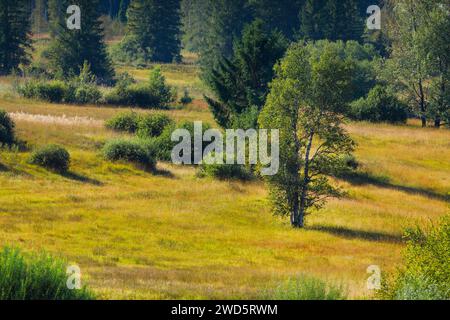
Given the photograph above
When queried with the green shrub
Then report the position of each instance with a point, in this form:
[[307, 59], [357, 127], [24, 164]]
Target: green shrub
[[51, 91], [163, 144], [56, 91], [426, 273], [124, 122], [225, 172], [153, 94], [129, 52], [51, 157], [130, 151], [379, 106], [6, 128], [85, 94], [305, 288], [35, 277], [186, 98], [153, 125]]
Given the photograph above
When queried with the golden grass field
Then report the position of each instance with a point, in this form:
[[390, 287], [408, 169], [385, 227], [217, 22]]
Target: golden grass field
[[175, 236]]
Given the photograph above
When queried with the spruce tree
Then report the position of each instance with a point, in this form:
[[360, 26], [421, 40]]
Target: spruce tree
[[225, 23], [332, 20], [15, 26], [123, 7], [156, 27], [240, 84], [281, 14], [70, 49]]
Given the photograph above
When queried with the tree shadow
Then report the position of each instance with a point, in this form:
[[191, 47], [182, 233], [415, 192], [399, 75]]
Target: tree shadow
[[3, 168], [364, 178], [81, 178], [162, 173], [358, 234]]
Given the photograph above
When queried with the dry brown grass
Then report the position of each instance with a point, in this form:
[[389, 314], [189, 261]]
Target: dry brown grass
[[139, 235]]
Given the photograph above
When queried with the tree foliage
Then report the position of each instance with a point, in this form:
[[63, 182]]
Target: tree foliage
[[419, 57], [155, 26], [15, 27], [332, 20], [71, 49], [240, 84], [307, 98]]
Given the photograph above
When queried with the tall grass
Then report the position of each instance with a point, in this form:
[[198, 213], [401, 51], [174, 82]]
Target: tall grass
[[35, 277], [306, 287]]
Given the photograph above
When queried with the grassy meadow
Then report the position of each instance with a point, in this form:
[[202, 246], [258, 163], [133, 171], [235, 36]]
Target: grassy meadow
[[172, 235]]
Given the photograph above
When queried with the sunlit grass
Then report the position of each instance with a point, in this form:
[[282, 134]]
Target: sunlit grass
[[143, 235]]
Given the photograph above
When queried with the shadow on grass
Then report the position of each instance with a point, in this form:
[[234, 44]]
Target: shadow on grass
[[3, 168], [364, 178], [162, 173], [358, 234], [81, 178]]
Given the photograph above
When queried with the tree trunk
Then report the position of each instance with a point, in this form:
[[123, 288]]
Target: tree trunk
[[437, 123], [294, 212], [304, 190], [422, 105]]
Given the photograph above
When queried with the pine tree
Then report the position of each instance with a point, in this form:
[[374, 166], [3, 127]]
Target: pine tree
[[332, 20], [241, 83], [56, 14], [70, 49], [15, 26], [123, 7], [226, 21], [281, 14], [156, 26]]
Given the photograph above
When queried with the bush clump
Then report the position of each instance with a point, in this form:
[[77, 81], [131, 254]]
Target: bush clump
[[56, 91], [6, 129], [153, 125], [130, 151], [379, 106], [36, 277], [153, 94], [224, 171], [124, 122], [52, 91], [426, 273], [164, 144], [52, 157], [306, 288], [186, 98]]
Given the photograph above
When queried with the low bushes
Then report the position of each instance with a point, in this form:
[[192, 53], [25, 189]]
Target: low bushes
[[35, 277], [52, 91], [305, 288], [426, 273], [130, 151], [225, 172], [153, 94], [379, 106], [57, 91], [124, 122], [145, 126], [6, 129], [52, 157], [153, 125]]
